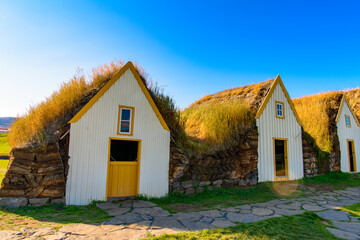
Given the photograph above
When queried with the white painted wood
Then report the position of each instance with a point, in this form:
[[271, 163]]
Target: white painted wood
[[346, 133], [89, 144], [270, 127]]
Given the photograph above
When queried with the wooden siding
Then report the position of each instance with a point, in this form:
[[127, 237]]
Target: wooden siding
[[346, 133], [269, 127], [89, 144]]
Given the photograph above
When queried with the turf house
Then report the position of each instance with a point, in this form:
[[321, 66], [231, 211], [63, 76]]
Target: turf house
[[331, 122], [111, 142], [241, 136]]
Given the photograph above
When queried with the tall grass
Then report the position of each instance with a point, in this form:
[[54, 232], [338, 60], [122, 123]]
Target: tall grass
[[218, 122], [33, 125], [317, 112]]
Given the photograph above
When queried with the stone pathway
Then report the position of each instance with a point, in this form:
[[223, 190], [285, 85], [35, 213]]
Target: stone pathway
[[134, 219]]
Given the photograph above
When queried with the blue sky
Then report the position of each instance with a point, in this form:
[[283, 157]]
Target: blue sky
[[190, 48]]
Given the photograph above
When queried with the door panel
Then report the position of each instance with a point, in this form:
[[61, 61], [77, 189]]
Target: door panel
[[352, 156], [281, 160]]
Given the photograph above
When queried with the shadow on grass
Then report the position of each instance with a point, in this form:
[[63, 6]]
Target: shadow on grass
[[59, 214]]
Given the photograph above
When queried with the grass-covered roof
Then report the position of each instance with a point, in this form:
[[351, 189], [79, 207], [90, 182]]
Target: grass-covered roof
[[220, 118]]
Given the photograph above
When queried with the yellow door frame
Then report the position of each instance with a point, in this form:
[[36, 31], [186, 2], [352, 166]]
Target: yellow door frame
[[138, 168], [354, 154], [282, 178]]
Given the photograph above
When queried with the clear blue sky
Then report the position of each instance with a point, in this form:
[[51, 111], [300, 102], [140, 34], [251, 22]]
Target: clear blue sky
[[190, 48]]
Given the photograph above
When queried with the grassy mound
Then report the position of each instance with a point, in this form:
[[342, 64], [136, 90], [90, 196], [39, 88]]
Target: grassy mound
[[36, 124], [353, 95], [220, 119], [318, 113]]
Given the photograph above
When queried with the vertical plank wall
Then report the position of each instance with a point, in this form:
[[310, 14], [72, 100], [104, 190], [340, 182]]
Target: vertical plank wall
[[89, 144], [346, 133], [269, 127]]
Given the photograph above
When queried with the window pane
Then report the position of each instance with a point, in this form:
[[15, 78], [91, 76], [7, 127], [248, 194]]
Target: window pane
[[125, 114], [125, 126], [347, 121]]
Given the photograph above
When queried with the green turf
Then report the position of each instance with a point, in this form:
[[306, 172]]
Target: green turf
[[4, 144], [3, 167], [305, 226], [51, 215], [335, 179]]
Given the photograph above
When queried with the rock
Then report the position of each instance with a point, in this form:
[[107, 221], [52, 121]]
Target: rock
[[57, 201], [108, 205], [10, 235], [143, 204], [117, 211], [37, 232], [348, 226], [204, 183], [244, 218], [222, 223], [262, 211], [245, 206], [128, 218], [286, 212], [167, 222], [291, 206], [82, 229], [195, 226], [200, 189], [217, 182], [312, 207], [333, 215], [342, 234], [187, 184], [38, 201], [212, 213], [13, 202], [191, 216], [155, 211], [207, 220]]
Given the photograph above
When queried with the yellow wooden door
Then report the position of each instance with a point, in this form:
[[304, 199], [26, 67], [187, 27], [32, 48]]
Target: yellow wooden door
[[122, 179]]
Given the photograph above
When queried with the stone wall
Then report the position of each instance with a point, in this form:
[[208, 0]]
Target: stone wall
[[235, 166], [34, 173]]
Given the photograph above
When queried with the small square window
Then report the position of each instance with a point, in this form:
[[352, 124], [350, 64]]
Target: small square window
[[126, 119], [347, 121], [279, 110]]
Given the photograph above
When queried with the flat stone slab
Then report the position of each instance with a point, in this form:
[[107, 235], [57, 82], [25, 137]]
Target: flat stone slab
[[108, 205], [191, 216], [82, 229], [262, 211], [244, 207], [291, 206], [153, 211], [143, 204], [13, 202], [117, 211], [129, 218], [230, 209], [312, 207], [353, 227], [343, 234], [167, 222], [333, 215], [286, 212], [222, 223], [195, 226], [37, 232], [212, 213]]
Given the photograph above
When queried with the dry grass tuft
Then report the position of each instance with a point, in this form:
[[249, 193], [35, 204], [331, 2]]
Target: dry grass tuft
[[353, 95], [318, 113], [219, 122]]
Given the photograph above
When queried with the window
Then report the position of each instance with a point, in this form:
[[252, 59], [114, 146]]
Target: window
[[280, 110], [126, 120], [347, 121]]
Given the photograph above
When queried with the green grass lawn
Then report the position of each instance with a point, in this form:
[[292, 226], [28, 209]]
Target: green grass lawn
[[305, 226], [177, 202], [3, 167], [50, 216], [4, 144]]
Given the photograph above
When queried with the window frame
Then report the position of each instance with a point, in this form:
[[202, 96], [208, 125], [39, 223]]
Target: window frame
[[349, 126], [132, 113], [283, 110]]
